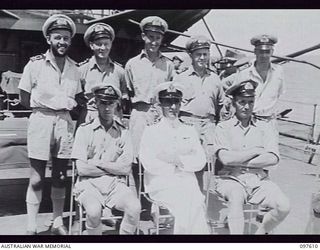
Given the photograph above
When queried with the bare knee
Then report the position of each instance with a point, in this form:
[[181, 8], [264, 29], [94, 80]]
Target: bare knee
[[133, 208], [283, 206], [236, 199], [93, 215], [36, 182], [37, 173]]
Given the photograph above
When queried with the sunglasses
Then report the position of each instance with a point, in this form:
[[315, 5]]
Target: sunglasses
[[168, 102]]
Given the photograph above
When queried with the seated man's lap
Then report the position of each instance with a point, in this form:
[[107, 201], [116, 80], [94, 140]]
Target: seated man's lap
[[228, 188], [88, 194], [268, 194], [122, 197], [183, 192], [118, 196]]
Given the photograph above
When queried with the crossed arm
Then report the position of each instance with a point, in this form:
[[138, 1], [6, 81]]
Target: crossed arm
[[252, 158], [117, 162], [261, 156]]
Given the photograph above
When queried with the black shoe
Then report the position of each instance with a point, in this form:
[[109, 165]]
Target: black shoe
[[62, 230]]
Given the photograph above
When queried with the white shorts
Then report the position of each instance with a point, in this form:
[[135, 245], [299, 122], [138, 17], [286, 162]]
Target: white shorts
[[108, 190], [50, 132], [265, 193]]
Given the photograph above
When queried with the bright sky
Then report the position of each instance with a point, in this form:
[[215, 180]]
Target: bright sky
[[295, 29]]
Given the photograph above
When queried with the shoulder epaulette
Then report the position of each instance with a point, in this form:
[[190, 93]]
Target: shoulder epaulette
[[84, 62], [86, 123], [119, 64], [73, 61], [212, 70], [183, 70], [37, 57], [244, 66], [276, 65], [119, 123], [162, 55]]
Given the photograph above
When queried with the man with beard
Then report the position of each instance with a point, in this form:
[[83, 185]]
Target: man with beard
[[269, 77], [248, 150], [99, 68], [103, 153], [49, 85], [203, 97], [171, 152], [144, 73]]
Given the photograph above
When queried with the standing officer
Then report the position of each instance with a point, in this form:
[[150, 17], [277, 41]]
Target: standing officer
[[248, 149], [143, 74], [103, 153], [99, 68], [226, 66], [269, 77], [48, 86], [203, 97], [177, 61], [170, 153]]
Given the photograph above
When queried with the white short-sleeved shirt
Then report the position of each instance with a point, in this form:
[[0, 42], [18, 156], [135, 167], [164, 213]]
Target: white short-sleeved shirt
[[49, 87], [143, 76], [202, 95], [91, 75], [230, 135], [92, 141], [268, 92]]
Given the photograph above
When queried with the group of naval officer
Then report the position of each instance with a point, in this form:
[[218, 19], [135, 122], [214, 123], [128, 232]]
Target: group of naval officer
[[179, 122]]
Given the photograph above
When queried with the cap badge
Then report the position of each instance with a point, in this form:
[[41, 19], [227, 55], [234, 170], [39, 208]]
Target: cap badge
[[109, 90], [171, 88], [156, 23], [61, 21], [264, 39], [248, 86], [98, 28]]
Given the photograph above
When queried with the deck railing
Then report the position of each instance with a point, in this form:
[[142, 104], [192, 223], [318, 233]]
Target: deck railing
[[311, 125], [312, 141]]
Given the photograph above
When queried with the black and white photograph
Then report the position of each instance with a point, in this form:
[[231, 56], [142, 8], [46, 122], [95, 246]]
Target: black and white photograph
[[159, 122]]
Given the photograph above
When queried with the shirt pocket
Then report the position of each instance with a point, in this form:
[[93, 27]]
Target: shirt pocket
[[71, 87]]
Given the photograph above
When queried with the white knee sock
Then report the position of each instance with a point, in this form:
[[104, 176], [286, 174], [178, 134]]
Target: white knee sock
[[128, 226], [57, 197], [94, 230], [33, 199], [236, 224]]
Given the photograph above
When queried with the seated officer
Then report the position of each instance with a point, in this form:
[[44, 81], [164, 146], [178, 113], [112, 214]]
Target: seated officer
[[170, 152], [103, 153], [248, 149]]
